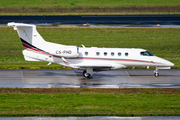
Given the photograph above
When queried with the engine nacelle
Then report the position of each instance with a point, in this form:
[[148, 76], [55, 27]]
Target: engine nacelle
[[67, 51]]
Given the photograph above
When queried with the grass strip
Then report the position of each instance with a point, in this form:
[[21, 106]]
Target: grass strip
[[87, 3], [90, 90], [162, 42], [91, 10], [93, 7], [95, 13], [89, 102]]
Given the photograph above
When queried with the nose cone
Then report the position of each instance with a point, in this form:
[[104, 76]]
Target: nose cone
[[162, 62], [168, 64]]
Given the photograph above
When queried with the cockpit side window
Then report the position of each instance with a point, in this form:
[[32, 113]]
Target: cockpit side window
[[146, 53], [143, 54]]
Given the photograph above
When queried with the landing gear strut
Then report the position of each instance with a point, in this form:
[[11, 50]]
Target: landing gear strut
[[156, 73]]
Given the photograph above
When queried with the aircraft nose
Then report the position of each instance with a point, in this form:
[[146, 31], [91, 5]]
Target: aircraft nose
[[164, 62], [168, 64]]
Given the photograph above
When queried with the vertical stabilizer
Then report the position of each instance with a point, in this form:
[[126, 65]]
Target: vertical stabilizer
[[29, 36]]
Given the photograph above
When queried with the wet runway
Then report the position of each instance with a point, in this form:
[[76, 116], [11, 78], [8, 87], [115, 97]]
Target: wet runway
[[63, 78]]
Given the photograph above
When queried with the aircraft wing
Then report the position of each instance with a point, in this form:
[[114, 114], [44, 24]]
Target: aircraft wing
[[94, 66], [101, 66]]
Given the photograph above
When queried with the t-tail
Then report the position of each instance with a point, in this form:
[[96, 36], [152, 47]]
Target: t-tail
[[29, 36], [37, 49]]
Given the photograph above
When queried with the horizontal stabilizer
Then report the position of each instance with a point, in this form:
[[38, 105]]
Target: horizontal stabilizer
[[19, 24], [30, 59]]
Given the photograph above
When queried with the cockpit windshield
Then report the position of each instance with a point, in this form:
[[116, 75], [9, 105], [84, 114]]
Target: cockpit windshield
[[146, 53]]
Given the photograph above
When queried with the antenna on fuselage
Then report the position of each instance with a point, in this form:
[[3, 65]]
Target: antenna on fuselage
[[83, 46]]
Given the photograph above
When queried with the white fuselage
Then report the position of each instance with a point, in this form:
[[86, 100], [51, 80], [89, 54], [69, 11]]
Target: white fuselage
[[115, 57]]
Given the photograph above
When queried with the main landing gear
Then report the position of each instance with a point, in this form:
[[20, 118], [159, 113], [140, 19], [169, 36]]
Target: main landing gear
[[156, 73], [88, 73]]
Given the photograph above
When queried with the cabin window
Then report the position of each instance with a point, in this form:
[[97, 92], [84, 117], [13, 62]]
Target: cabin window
[[112, 53], [105, 53], [146, 53], [86, 53], [119, 54], [126, 54], [97, 53]]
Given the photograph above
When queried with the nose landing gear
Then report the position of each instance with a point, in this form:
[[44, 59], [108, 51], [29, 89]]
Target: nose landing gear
[[156, 73]]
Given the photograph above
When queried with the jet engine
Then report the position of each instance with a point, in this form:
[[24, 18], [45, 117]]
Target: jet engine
[[65, 51]]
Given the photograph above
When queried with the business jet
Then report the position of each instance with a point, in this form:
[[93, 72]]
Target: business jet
[[87, 59]]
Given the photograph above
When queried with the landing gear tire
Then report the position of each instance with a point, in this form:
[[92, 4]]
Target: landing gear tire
[[86, 75], [156, 74]]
